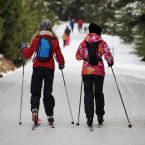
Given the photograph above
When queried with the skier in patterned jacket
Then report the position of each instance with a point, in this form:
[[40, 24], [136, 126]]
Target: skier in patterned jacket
[[93, 75]]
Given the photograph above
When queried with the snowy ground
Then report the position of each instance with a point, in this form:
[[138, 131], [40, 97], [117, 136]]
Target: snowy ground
[[130, 74]]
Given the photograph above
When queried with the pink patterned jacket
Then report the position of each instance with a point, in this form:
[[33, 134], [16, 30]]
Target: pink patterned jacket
[[103, 49]]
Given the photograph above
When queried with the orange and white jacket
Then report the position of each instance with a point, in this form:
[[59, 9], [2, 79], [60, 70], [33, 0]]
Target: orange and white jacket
[[103, 49]]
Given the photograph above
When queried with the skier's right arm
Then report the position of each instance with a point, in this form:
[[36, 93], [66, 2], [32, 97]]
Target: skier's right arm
[[28, 52], [79, 52]]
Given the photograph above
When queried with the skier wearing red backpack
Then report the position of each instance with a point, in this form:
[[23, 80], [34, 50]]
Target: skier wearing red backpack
[[45, 44], [91, 50]]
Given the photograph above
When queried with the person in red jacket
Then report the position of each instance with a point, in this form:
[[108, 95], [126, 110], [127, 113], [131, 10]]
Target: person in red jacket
[[93, 75], [43, 71], [80, 24]]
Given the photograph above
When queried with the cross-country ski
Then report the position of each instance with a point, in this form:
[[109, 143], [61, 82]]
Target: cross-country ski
[[35, 126]]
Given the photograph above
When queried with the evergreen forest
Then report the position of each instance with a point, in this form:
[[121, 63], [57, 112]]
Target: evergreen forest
[[19, 20]]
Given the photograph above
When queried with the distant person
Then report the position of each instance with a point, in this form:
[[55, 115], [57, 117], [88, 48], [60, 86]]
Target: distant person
[[80, 24], [72, 24], [67, 32], [43, 69], [91, 51], [64, 39]]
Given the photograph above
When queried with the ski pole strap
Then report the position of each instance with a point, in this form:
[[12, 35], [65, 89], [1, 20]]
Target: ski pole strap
[[34, 57]]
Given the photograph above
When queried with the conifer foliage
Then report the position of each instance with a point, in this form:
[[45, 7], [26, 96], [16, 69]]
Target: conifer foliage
[[129, 23], [19, 19]]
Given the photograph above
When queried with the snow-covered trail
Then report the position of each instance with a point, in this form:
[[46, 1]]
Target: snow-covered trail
[[129, 72]]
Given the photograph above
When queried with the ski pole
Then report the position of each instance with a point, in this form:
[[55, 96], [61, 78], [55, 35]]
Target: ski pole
[[80, 103], [130, 125], [66, 93], [21, 95], [67, 98]]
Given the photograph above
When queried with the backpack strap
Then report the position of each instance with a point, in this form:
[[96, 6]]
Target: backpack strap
[[39, 42], [51, 45]]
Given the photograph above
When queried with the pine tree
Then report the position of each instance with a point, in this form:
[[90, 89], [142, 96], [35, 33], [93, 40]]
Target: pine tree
[[98, 11], [140, 33], [3, 7], [1, 27], [19, 21], [15, 28], [130, 22]]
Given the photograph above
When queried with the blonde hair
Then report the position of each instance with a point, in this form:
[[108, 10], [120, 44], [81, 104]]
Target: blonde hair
[[36, 35]]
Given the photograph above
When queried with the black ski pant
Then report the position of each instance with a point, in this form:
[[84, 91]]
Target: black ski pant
[[64, 43], [93, 88], [40, 74]]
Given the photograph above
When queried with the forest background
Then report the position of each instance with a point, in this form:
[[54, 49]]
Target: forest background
[[19, 20]]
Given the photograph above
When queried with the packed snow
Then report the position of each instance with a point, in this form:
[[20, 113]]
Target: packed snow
[[130, 74]]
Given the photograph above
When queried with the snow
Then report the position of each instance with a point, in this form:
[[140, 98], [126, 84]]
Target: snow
[[1, 56], [130, 75]]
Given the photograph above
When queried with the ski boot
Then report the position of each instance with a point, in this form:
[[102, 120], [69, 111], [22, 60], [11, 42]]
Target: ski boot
[[100, 119], [35, 116], [50, 119], [89, 121]]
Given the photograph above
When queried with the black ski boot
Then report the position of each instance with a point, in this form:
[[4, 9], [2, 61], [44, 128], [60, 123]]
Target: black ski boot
[[89, 121], [100, 119]]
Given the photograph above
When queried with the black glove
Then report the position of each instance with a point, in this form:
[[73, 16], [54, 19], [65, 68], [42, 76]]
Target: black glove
[[61, 67], [110, 65]]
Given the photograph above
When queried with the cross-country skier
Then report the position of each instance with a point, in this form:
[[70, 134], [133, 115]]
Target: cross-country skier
[[67, 32], [80, 24], [43, 71], [72, 24], [93, 74], [64, 39]]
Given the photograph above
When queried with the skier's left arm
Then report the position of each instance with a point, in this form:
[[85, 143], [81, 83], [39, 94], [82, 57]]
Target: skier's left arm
[[59, 56], [107, 54]]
